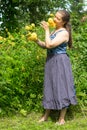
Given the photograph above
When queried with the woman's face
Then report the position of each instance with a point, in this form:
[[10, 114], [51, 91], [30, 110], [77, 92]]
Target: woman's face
[[58, 20]]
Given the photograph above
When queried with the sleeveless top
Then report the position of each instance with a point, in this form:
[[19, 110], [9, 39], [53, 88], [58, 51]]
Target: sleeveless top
[[60, 49]]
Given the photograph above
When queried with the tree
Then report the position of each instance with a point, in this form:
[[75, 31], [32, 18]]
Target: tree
[[8, 13], [15, 13]]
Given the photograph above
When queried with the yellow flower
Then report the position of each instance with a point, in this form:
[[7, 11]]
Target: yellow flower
[[28, 34], [33, 25], [32, 37], [52, 25], [51, 22], [1, 38], [51, 15], [28, 27]]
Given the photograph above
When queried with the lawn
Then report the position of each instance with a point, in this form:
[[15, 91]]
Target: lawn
[[74, 121]]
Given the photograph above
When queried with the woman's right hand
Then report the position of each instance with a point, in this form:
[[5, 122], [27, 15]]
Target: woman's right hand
[[44, 25]]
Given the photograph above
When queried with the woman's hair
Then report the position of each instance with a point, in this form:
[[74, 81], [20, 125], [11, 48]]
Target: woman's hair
[[67, 25]]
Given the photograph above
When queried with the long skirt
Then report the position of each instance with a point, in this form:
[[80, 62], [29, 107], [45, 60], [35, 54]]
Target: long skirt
[[59, 90]]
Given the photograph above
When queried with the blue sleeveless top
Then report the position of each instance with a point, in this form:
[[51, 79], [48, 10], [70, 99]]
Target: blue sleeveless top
[[60, 49]]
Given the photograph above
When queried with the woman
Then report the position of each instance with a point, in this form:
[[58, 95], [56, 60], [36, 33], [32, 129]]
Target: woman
[[59, 90]]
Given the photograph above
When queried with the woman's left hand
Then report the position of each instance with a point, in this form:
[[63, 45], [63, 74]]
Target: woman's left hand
[[44, 25]]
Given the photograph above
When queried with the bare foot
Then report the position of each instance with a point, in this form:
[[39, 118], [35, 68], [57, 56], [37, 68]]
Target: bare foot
[[60, 122], [45, 117], [42, 119]]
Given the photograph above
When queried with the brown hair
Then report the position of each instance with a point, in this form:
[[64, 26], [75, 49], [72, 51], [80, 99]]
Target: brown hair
[[67, 25]]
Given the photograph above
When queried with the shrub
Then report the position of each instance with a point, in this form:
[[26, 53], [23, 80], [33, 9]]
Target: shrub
[[21, 73], [79, 63], [22, 70]]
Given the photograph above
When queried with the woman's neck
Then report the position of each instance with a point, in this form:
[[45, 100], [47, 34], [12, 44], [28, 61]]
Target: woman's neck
[[59, 28]]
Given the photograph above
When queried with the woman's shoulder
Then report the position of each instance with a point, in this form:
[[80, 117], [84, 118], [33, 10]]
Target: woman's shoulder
[[59, 31], [63, 33]]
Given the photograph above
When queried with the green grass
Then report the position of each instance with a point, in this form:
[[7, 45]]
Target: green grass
[[74, 121]]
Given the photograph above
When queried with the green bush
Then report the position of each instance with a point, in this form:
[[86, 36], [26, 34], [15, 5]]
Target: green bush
[[21, 73], [22, 70], [79, 62]]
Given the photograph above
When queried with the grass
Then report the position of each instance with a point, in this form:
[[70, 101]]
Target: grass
[[74, 121]]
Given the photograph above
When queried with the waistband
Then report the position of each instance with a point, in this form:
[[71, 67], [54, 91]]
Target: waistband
[[54, 54]]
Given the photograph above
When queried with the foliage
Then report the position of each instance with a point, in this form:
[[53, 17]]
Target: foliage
[[8, 14], [16, 13], [22, 70], [79, 64]]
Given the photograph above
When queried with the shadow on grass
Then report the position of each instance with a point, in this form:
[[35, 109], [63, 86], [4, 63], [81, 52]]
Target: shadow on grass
[[70, 115], [54, 115]]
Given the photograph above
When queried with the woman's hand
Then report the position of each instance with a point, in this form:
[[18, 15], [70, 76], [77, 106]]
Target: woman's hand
[[41, 43], [44, 25]]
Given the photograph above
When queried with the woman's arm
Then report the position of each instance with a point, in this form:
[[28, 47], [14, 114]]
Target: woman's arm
[[61, 37], [44, 25], [41, 43]]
